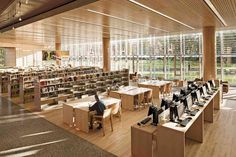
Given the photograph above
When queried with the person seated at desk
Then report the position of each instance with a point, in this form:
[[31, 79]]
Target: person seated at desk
[[99, 108]]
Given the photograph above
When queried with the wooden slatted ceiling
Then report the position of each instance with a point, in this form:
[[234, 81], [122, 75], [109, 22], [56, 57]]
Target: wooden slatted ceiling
[[227, 9], [80, 24]]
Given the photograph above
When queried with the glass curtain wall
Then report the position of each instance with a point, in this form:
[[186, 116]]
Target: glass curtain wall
[[169, 57], [84, 53], [226, 55]]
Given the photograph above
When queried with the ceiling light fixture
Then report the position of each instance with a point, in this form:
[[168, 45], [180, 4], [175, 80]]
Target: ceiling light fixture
[[119, 18], [20, 19], [100, 25], [157, 12], [213, 9]]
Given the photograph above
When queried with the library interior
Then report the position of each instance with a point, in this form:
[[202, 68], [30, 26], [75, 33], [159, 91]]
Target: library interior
[[125, 78]]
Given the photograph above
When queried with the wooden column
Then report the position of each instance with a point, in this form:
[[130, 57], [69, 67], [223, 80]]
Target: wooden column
[[58, 46], [106, 54], [209, 53]]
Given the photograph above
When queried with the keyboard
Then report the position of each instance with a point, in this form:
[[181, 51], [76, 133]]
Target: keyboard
[[145, 120], [194, 112], [201, 104], [210, 93], [185, 121], [206, 97]]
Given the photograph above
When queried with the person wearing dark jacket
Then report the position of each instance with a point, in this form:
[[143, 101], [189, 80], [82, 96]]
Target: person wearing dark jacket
[[99, 108]]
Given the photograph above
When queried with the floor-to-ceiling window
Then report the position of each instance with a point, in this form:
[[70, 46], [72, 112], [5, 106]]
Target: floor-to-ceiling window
[[226, 55], [84, 53], [192, 56], [170, 57]]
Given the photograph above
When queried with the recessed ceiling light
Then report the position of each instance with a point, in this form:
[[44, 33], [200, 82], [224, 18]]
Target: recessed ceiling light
[[20, 19], [213, 9], [119, 18], [164, 15]]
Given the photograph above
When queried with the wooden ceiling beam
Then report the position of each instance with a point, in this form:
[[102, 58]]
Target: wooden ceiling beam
[[72, 5]]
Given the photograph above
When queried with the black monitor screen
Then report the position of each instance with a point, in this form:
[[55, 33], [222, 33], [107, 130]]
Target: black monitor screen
[[165, 104], [151, 110]]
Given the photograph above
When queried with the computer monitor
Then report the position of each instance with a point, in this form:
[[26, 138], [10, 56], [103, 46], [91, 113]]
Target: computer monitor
[[194, 95], [175, 97], [212, 83], [208, 86], [189, 102], [184, 92], [204, 90], [198, 95], [155, 112], [192, 87], [165, 104], [180, 109]]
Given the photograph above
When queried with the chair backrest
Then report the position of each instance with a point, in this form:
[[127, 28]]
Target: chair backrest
[[115, 108], [107, 113]]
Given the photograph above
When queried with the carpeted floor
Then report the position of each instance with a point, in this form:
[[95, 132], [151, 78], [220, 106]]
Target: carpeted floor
[[25, 134]]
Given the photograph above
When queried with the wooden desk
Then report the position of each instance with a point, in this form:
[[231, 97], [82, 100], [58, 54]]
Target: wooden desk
[[170, 137], [155, 85], [78, 110], [117, 93], [142, 140], [129, 95]]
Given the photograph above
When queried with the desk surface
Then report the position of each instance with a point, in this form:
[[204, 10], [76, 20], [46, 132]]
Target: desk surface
[[177, 127], [126, 88], [132, 90], [136, 91], [85, 102], [146, 128], [154, 83]]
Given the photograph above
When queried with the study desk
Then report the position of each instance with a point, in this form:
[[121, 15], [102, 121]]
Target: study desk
[[155, 85], [169, 137], [129, 96], [76, 113], [117, 93]]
